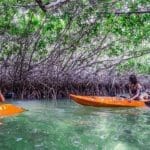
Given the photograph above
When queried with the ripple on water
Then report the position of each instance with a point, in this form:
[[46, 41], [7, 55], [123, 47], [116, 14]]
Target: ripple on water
[[63, 125]]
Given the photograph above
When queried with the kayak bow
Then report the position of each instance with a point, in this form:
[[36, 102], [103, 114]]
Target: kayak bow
[[9, 109], [98, 101]]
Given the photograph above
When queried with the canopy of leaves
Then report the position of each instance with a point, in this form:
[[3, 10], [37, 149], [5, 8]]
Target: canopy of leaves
[[77, 36]]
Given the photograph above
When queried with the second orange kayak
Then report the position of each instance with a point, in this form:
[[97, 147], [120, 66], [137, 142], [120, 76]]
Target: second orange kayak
[[98, 101], [9, 109]]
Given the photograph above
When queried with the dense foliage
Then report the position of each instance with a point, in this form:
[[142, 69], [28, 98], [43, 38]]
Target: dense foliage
[[46, 44]]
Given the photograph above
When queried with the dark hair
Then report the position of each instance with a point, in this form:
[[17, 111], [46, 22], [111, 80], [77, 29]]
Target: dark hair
[[133, 79]]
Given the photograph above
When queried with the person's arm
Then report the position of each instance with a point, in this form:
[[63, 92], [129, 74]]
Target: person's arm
[[135, 96], [2, 99], [130, 93]]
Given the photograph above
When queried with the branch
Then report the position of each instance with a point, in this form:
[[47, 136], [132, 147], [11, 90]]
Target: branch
[[51, 5], [130, 12], [59, 3], [41, 5], [56, 4]]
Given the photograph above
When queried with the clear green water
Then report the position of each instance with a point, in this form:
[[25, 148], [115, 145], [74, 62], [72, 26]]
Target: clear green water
[[64, 125]]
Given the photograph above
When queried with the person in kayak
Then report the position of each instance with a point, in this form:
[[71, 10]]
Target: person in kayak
[[2, 99], [135, 89]]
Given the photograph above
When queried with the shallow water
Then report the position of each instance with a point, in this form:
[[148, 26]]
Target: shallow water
[[64, 125]]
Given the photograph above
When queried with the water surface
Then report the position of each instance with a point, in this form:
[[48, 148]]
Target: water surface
[[64, 125]]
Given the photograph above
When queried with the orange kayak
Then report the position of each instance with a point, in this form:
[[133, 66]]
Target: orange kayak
[[9, 109], [98, 101]]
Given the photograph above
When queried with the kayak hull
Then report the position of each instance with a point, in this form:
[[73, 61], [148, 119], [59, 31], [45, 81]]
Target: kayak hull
[[98, 101], [9, 109]]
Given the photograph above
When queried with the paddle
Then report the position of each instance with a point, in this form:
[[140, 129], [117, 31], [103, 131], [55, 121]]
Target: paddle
[[123, 96]]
